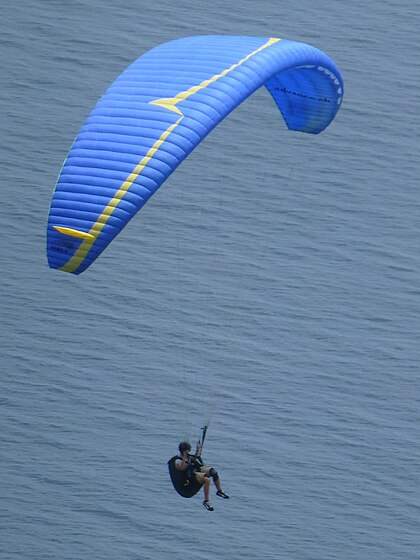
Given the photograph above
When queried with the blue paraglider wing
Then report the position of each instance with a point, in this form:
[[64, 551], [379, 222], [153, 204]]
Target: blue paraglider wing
[[154, 115]]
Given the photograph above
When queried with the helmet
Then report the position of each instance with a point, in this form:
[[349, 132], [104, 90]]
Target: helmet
[[184, 446]]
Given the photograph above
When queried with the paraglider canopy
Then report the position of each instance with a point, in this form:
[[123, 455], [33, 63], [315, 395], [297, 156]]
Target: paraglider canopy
[[157, 111]]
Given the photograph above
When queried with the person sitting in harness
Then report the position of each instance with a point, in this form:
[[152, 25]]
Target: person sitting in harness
[[195, 469]]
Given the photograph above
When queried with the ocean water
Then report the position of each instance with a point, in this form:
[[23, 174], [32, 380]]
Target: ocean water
[[286, 306]]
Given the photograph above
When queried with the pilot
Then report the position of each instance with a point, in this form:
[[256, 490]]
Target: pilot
[[194, 468]]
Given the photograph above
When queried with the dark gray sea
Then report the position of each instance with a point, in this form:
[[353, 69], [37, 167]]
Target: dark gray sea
[[286, 306]]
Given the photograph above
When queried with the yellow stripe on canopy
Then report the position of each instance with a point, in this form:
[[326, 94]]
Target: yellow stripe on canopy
[[73, 232]]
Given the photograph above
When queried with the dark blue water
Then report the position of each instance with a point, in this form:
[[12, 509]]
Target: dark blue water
[[287, 305]]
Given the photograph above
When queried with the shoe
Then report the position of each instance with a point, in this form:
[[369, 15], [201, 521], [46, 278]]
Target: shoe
[[207, 505]]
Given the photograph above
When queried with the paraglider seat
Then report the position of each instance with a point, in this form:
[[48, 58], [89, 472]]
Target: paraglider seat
[[185, 488]]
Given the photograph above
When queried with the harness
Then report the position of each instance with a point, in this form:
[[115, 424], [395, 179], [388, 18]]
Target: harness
[[184, 482]]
